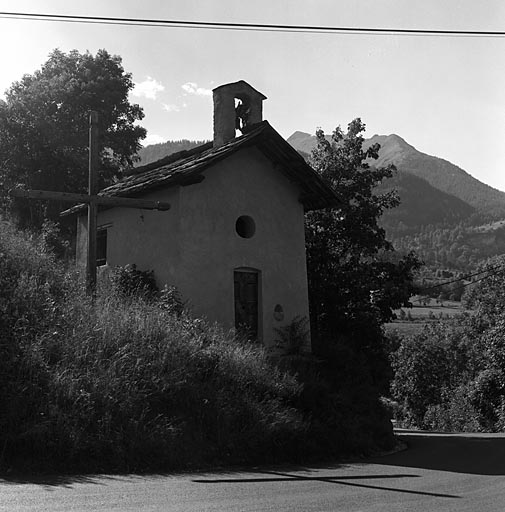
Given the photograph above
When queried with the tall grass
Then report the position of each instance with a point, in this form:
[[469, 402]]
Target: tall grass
[[123, 384], [159, 391]]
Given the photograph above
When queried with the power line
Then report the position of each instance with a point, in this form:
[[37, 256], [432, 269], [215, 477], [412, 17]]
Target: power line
[[488, 269], [481, 279], [501, 269], [263, 27]]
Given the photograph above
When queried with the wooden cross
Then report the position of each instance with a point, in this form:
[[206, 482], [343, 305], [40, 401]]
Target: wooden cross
[[92, 200]]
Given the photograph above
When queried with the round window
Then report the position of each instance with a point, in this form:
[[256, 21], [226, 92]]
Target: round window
[[245, 226]]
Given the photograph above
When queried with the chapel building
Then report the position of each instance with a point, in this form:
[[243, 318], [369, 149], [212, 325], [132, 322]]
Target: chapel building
[[233, 241]]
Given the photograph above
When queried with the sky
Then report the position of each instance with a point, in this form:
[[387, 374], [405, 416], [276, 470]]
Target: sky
[[443, 95]]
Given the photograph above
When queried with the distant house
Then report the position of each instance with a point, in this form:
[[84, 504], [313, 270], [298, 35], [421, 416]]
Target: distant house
[[233, 241]]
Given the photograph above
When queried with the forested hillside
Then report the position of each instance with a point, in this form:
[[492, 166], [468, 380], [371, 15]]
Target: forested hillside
[[457, 247], [421, 205], [156, 151], [441, 174], [448, 217]]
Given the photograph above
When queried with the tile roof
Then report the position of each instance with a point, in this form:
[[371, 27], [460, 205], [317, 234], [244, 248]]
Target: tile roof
[[185, 168]]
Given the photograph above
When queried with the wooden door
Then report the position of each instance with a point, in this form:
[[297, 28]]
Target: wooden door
[[246, 302]]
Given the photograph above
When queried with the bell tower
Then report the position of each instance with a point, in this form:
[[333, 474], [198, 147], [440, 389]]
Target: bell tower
[[237, 106]]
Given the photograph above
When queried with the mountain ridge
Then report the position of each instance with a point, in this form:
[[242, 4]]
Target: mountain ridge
[[449, 218], [438, 172]]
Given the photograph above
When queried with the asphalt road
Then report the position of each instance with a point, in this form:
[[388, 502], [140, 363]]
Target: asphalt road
[[438, 472]]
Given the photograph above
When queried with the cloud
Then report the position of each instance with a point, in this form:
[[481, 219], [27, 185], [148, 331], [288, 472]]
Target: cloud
[[170, 107], [153, 139], [147, 89], [192, 88]]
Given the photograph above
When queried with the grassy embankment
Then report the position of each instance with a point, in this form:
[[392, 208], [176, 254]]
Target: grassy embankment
[[123, 384]]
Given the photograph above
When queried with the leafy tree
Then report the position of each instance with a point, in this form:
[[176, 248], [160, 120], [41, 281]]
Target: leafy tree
[[458, 362], [44, 126], [487, 296], [355, 277], [422, 370]]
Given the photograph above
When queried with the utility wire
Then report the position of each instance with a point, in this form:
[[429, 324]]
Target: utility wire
[[489, 269], [501, 269], [263, 27], [481, 279]]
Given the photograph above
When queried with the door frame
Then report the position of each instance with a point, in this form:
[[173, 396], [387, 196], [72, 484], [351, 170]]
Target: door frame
[[258, 273]]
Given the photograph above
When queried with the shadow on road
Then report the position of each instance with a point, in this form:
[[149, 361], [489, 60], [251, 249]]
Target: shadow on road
[[54, 480], [471, 454], [468, 454], [274, 476]]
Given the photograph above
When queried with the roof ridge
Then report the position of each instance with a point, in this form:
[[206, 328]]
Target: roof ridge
[[185, 167], [188, 153]]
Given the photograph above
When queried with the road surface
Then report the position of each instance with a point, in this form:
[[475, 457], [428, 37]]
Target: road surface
[[438, 472]]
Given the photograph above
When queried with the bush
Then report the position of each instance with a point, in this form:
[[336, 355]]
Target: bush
[[293, 338], [345, 411], [128, 281], [421, 371], [170, 299], [450, 377], [31, 287], [455, 413]]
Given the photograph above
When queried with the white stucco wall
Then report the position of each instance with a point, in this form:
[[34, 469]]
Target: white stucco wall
[[195, 247]]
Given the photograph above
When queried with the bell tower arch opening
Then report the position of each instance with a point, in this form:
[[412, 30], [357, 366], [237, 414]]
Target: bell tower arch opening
[[237, 107]]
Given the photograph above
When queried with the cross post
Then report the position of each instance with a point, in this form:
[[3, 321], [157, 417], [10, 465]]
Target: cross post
[[92, 205], [92, 200]]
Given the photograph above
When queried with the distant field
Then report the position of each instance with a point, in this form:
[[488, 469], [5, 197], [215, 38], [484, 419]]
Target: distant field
[[418, 316], [446, 309], [404, 328]]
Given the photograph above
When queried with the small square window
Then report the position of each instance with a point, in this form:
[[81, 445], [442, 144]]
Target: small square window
[[101, 247]]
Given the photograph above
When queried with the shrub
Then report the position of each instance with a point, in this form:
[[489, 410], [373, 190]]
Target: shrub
[[170, 299], [447, 377], [129, 281], [486, 397], [345, 411], [293, 338], [421, 367], [455, 413], [53, 239], [31, 287]]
